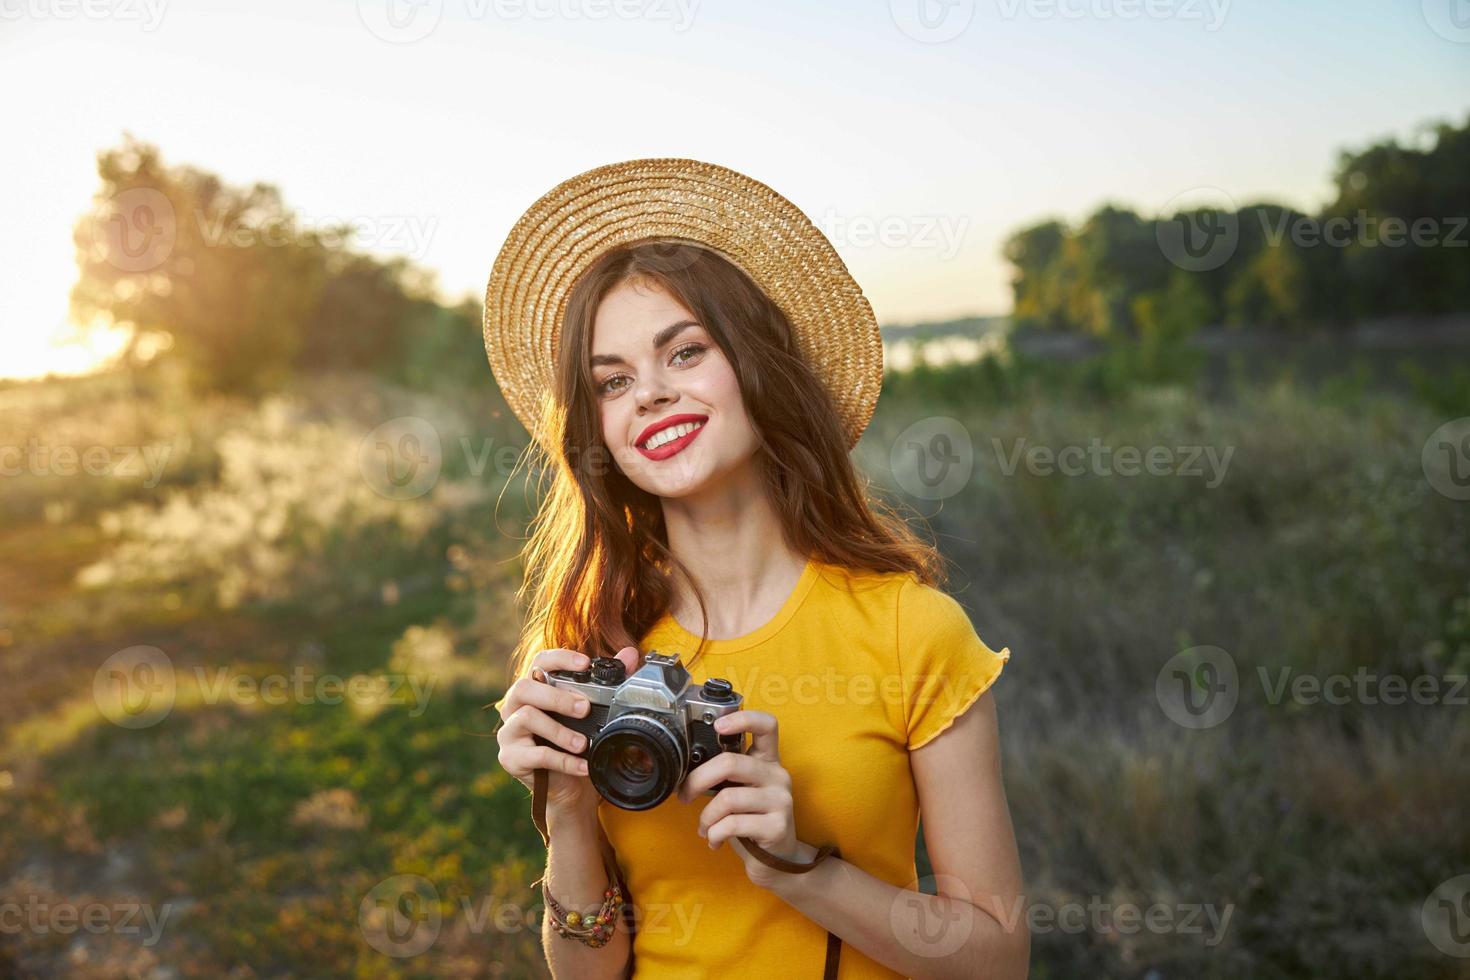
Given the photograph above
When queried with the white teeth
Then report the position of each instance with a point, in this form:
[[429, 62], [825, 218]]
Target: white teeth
[[670, 434]]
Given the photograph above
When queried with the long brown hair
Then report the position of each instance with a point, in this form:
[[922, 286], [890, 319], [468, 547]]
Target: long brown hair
[[598, 566]]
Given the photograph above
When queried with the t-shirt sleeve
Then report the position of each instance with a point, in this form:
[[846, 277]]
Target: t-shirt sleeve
[[945, 664]]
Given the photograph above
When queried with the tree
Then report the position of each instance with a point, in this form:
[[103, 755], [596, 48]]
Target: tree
[[1036, 253], [224, 272], [1385, 192]]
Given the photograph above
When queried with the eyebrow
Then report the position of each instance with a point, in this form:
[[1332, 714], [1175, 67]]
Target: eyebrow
[[659, 339]]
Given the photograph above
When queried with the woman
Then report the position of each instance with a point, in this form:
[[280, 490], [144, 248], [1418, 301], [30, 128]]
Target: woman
[[697, 363]]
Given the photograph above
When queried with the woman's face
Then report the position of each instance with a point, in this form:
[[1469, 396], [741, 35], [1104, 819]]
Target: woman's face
[[652, 362]]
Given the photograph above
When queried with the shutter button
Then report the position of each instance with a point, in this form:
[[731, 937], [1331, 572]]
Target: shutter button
[[608, 671], [718, 690]]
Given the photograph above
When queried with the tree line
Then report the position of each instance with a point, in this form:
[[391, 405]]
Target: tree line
[[246, 292], [1393, 241]]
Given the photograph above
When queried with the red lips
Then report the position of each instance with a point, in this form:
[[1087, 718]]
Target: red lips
[[662, 424]]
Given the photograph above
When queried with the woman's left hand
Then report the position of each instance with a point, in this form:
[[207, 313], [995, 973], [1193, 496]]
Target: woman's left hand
[[760, 808]]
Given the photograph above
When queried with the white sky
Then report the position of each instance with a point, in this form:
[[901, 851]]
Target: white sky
[[1036, 108]]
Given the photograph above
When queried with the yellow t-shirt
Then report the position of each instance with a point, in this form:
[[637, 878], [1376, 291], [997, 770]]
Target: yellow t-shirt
[[859, 669]]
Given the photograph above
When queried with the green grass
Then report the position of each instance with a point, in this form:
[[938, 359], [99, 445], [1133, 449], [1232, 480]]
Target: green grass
[[1323, 828]]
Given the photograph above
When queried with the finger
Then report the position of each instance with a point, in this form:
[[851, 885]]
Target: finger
[[630, 658], [759, 827], [550, 699], [762, 727], [535, 672], [520, 760], [737, 799], [558, 659], [529, 720], [727, 765], [545, 757]]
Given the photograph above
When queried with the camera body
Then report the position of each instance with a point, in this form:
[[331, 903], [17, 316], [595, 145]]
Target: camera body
[[646, 731]]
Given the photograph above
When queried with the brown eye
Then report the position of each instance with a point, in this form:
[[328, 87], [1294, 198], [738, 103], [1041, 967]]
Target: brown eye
[[692, 350], [606, 387]]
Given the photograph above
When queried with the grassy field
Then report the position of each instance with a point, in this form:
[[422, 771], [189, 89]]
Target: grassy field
[[325, 652]]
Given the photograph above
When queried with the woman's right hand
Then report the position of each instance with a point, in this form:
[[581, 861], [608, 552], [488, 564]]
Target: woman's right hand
[[529, 704]]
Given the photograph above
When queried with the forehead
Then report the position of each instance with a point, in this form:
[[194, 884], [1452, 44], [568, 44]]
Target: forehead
[[631, 313], [634, 300]]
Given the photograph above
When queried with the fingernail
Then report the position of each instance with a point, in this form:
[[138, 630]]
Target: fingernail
[[582, 766], [702, 832]]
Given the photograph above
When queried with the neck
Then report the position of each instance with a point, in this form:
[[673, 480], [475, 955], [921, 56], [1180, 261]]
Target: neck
[[731, 540]]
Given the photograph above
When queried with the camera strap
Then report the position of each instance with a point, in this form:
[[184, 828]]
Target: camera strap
[[609, 856]]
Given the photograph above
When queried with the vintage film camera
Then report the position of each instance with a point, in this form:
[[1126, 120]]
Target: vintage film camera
[[647, 731]]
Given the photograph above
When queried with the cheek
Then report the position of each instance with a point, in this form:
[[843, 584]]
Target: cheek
[[718, 387], [724, 392], [613, 414], [606, 418]]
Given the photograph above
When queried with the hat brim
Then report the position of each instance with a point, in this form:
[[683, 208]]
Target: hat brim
[[763, 233]]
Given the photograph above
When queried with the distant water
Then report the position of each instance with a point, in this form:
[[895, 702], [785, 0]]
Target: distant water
[[901, 355], [1433, 342]]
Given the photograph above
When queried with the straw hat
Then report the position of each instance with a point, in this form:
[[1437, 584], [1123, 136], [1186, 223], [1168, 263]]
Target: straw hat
[[761, 232]]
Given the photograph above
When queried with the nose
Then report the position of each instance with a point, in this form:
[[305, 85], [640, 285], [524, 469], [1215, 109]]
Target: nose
[[654, 393]]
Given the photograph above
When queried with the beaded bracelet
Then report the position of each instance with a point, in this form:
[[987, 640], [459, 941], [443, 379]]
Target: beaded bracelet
[[592, 929]]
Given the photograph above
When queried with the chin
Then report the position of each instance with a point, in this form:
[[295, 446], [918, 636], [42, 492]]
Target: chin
[[675, 482]]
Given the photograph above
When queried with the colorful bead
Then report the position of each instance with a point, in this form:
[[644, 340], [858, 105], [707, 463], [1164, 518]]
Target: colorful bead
[[593, 928]]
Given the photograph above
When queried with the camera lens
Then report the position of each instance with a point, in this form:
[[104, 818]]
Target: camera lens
[[633, 762], [636, 762]]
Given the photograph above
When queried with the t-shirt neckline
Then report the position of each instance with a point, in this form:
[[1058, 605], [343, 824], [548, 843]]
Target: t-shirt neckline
[[759, 635]]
